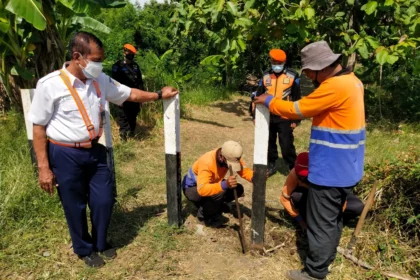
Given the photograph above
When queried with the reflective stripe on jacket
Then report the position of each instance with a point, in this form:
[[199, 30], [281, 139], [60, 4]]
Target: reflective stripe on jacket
[[337, 145]]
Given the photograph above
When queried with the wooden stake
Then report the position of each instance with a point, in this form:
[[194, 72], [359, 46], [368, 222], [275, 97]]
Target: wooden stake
[[171, 118], [347, 254], [361, 220], [262, 119]]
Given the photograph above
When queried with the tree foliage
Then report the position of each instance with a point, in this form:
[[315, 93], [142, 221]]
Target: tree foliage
[[33, 36], [386, 30]]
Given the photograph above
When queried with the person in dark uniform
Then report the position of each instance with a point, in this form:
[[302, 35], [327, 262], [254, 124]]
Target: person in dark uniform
[[127, 72], [280, 82]]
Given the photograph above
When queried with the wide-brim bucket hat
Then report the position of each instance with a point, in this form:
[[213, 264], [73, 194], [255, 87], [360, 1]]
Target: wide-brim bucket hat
[[317, 56]]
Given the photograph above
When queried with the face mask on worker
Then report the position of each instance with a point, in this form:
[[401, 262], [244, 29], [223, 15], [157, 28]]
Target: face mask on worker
[[130, 56], [277, 68], [315, 82], [92, 70]]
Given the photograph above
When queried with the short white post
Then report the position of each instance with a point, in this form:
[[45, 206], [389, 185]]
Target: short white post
[[106, 140], [27, 95]]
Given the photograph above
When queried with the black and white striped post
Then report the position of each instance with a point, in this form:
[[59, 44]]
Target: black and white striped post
[[27, 95], [171, 116], [262, 120], [106, 140]]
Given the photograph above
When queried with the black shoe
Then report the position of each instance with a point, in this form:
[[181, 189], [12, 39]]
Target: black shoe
[[300, 275], [93, 260], [271, 168], [109, 253], [215, 221], [225, 208]]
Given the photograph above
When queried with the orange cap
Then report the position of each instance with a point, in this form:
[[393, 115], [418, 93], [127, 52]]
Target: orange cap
[[278, 55], [131, 48]]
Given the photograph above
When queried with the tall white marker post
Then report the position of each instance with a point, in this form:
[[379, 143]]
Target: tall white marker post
[[262, 120], [27, 95], [171, 118]]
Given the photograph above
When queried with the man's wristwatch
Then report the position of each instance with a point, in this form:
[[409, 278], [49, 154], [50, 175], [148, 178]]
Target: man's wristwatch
[[159, 93]]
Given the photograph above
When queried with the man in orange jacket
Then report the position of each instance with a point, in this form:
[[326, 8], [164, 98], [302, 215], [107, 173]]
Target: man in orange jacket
[[281, 82], [295, 193], [336, 150], [204, 184]]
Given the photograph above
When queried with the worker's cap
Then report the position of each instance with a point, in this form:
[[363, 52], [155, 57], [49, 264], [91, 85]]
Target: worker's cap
[[232, 151], [131, 48], [317, 56], [301, 164], [278, 55]]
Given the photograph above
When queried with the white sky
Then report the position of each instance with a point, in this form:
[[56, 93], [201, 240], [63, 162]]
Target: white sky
[[144, 1]]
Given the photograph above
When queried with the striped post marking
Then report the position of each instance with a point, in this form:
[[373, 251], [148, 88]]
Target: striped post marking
[[106, 140], [262, 120], [27, 95], [171, 118]]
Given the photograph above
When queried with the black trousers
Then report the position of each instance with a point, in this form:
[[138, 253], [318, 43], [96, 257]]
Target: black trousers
[[325, 223], [127, 117], [209, 206], [353, 209], [284, 132]]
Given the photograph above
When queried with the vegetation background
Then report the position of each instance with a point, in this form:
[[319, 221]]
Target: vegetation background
[[206, 49]]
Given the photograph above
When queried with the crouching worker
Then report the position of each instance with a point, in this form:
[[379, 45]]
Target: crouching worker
[[295, 192], [204, 184]]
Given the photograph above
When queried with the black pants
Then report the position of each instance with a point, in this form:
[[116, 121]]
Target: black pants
[[126, 118], [353, 209], [284, 132], [209, 206], [325, 223]]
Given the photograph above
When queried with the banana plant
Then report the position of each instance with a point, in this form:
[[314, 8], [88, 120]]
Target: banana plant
[[33, 36]]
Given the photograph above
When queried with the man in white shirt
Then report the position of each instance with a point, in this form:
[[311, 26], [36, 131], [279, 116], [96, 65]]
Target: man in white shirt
[[67, 113]]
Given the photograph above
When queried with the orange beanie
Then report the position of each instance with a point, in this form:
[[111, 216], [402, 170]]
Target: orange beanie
[[130, 48], [278, 55]]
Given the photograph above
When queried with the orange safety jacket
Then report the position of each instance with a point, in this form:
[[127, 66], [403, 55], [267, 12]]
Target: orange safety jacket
[[284, 86], [89, 126], [292, 182], [208, 176], [338, 134]]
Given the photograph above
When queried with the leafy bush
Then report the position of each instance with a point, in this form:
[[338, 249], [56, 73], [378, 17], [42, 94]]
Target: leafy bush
[[396, 98], [397, 205], [395, 217]]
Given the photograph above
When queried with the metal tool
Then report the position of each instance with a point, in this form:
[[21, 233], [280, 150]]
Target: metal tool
[[238, 209]]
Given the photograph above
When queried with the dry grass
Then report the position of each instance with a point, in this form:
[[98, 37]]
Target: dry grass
[[147, 247]]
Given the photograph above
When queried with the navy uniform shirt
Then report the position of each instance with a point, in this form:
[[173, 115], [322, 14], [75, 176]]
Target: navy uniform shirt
[[128, 74]]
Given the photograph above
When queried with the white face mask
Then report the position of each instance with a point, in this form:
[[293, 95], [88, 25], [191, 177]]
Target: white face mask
[[92, 70], [277, 68]]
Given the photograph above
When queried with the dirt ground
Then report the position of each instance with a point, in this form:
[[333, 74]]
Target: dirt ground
[[210, 253], [149, 249]]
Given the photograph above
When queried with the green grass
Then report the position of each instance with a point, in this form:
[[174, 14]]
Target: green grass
[[204, 95], [32, 222]]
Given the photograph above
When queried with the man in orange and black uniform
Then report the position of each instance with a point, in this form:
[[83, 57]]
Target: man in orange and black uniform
[[127, 72], [282, 83], [204, 184]]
